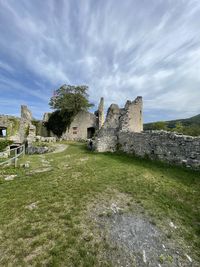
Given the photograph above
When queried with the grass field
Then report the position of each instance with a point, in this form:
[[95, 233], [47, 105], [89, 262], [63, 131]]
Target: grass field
[[44, 214]]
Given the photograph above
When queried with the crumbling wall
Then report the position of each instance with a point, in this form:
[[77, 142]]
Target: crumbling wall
[[162, 145], [79, 127], [12, 126], [41, 129], [131, 119], [122, 131], [127, 119], [165, 146], [26, 130], [26, 114], [101, 113]]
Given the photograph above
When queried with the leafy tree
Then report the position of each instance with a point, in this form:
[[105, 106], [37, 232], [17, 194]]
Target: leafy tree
[[67, 101], [179, 127], [160, 125], [193, 130], [71, 99]]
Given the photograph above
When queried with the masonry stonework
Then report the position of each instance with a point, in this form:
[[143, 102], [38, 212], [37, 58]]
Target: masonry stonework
[[82, 127], [162, 145], [123, 130], [100, 114], [131, 118]]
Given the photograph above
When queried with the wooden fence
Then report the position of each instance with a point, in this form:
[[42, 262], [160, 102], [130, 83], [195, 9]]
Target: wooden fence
[[17, 151]]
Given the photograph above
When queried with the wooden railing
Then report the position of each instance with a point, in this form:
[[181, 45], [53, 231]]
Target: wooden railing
[[18, 151]]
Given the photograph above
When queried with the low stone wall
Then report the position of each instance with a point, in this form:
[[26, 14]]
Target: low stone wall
[[39, 150], [106, 141], [160, 145]]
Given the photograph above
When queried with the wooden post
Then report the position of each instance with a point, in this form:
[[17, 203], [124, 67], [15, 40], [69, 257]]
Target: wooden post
[[15, 159], [23, 149]]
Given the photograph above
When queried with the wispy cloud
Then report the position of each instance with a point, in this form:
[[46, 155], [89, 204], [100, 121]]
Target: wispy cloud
[[121, 49]]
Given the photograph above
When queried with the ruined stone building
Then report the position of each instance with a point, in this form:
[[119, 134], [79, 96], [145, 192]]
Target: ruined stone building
[[127, 119], [122, 130], [15, 128], [83, 126]]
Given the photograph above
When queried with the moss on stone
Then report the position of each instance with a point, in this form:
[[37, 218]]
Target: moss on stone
[[4, 144], [13, 127], [38, 125], [27, 131]]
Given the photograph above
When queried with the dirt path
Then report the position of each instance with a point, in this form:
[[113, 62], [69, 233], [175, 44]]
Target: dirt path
[[60, 148]]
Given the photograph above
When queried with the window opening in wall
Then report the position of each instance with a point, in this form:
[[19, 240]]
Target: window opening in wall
[[3, 132], [74, 130]]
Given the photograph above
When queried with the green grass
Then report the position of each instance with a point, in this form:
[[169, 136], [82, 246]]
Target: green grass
[[52, 233]]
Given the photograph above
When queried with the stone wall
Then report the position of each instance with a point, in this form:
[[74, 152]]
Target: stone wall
[[122, 130], [12, 125], [83, 126], [26, 114], [164, 146], [106, 140], [131, 117], [79, 127], [157, 145], [17, 129], [101, 113]]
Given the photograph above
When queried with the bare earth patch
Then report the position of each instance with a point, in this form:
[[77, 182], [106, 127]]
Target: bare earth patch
[[60, 148], [46, 169], [130, 236]]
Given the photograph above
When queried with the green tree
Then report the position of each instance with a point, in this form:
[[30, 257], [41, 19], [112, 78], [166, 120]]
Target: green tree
[[160, 125], [71, 99], [179, 127], [67, 101]]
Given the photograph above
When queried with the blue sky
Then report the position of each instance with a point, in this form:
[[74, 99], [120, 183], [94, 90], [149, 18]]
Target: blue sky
[[120, 49]]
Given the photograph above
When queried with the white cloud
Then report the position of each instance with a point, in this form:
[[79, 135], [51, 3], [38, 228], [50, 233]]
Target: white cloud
[[121, 49]]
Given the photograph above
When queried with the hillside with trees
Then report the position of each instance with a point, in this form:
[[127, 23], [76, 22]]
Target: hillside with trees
[[190, 126]]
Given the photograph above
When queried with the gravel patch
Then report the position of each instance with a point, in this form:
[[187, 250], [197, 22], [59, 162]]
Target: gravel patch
[[60, 148], [132, 238]]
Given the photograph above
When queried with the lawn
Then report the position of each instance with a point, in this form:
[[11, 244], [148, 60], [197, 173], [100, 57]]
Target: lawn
[[45, 211]]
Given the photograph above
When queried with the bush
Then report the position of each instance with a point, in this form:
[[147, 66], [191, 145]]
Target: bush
[[4, 144], [59, 121]]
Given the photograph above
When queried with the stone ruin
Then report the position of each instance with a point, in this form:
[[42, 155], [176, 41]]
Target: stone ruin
[[127, 119], [15, 128], [27, 129], [123, 131]]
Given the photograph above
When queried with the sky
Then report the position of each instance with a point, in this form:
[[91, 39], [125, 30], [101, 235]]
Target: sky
[[120, 49]]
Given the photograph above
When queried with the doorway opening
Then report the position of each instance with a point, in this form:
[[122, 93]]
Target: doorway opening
[[90, 132]]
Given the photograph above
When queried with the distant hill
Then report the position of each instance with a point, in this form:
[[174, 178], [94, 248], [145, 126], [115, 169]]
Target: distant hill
[[195, 120], [189, 126]]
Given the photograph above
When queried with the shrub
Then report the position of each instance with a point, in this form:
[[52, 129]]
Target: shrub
[[4, 144]]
